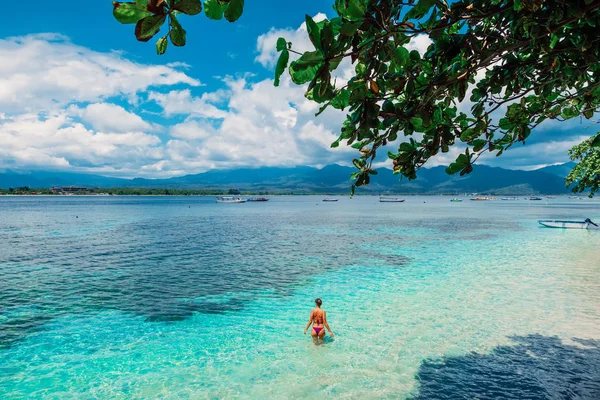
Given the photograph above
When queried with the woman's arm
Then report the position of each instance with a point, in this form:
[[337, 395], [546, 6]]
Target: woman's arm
[[310, 320], [326, 324]]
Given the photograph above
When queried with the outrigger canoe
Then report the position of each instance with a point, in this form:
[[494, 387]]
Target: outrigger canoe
[[587, 224]]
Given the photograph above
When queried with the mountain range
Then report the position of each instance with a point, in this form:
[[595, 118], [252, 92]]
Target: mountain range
[[330, 179]]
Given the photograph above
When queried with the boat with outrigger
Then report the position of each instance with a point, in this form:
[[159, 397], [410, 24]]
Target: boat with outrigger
[[230, 199], [569, 224], [483, 198], [257, 199], [388, 199]]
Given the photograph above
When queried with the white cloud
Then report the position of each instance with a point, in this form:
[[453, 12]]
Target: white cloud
[[419, 43], [58, 110], [32, 140], [182, 102], [45, 71], [192, 130], [111, 118]]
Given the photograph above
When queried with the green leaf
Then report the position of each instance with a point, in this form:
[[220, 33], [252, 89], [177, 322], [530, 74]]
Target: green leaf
[[146, 28], [388, 106], [454, 168], [314, 33], [402, 56], [554, 40], [596, 141], [302, 75], [214, 10], [350, 28], [177, 32], [156, 7], [352, 10], [161, 45], [467, 170], [282, 63], [309, 59], [478, 144], [129, 13], [188, 7], [409, 88], [420, 9], [235, 10], [416, 121], [281, 44], [341, 99], [327, 39]]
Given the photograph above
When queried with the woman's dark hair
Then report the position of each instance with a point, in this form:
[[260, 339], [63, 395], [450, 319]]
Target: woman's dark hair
[[318, 302]]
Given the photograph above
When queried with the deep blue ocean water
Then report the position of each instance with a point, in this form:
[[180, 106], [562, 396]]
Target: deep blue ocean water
[[180, 297]]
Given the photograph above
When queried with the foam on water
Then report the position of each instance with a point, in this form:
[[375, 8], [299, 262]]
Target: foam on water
[[411, 295]]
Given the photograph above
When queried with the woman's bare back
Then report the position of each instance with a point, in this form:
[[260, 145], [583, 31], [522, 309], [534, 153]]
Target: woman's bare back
[[318, 316]]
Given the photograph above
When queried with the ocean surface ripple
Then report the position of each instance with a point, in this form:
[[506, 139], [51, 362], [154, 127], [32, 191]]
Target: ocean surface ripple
[[179, 297]]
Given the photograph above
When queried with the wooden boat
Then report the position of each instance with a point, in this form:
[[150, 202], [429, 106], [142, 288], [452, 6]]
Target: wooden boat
[[483, 199], [587, 224], [384, 199], [257, 199], [230, 199], [455, 200], [330, 199]]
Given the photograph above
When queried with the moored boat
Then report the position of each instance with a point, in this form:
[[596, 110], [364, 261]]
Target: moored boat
[[385, 199], [535, 198], [330, 199], [230, 199], [455, 200], [257, 199], [509, 198], [565, 224], [483, 198]]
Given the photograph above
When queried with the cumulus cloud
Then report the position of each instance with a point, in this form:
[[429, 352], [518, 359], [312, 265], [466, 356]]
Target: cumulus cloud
[[57, 140], [182, 102], [47, 70], [79, 109], [111, 118]]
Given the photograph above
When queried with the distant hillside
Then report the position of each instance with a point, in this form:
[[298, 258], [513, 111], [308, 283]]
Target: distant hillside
[[561, 170], [332, 178]]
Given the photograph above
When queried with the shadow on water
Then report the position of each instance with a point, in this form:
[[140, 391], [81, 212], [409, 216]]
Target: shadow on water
[[537, 367]]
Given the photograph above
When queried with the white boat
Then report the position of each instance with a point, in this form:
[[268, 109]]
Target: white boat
[[587, 224], [384, 199], [230, 199], [330, 199], [509, 198]]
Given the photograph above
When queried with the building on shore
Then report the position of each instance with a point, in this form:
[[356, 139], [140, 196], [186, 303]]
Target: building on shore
[[71, 190]]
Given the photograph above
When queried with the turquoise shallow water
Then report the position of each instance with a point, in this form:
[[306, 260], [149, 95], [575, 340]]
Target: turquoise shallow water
[[183, 298]]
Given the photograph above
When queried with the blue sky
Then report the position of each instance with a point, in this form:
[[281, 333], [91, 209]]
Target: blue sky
[[79, 93]]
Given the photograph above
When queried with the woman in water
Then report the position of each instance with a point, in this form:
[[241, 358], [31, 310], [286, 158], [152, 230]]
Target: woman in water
[[318, 319]]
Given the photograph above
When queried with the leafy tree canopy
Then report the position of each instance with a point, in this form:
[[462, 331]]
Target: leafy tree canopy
[[586, 174], [517, 62]]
